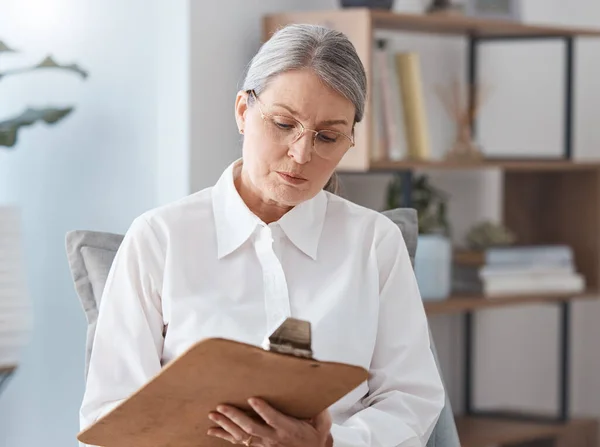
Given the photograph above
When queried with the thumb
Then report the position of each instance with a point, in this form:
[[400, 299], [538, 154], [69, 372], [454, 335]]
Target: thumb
[[322, 422]]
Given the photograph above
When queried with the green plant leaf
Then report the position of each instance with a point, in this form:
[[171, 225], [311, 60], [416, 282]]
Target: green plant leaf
[[48, 62], [9, 129], [5, 48], [394, 192], [430, 203]]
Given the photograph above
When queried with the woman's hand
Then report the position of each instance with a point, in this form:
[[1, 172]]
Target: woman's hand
[[278, 430]]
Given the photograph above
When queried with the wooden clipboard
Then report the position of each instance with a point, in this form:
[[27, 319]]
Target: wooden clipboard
[[172, 409]]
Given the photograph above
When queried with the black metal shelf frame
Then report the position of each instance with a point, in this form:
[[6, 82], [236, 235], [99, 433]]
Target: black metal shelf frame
[[564, 338]]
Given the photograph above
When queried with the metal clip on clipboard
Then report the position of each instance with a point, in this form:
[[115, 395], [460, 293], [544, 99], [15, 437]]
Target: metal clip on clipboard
[[292, 337]]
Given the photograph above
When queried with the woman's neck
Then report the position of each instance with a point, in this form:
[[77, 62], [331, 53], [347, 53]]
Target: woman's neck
[[266, 210]]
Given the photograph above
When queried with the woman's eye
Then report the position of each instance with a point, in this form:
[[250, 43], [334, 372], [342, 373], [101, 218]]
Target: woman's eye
[[328, 137], [284, 126], [283, 123]]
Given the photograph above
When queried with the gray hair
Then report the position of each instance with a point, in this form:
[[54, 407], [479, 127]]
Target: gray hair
[[327, 52]]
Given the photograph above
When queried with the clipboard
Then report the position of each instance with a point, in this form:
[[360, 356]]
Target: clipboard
[[171, 410]]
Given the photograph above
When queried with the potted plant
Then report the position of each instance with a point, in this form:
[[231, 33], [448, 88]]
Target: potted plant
[[433, 259], [15, 314]]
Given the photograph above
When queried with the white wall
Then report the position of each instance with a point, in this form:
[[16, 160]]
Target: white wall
[[173, 104], [95, 170], [221, 46]]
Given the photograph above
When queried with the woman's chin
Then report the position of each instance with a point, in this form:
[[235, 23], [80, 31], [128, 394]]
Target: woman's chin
[[290, 196]]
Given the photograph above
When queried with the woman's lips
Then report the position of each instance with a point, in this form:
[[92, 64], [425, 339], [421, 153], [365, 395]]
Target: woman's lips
[[292, 178]]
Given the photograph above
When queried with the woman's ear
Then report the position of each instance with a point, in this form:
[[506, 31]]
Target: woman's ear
[[241, 107]]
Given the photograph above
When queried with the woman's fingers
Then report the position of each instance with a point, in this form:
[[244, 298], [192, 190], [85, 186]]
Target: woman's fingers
[[220, 433], [229, 426], [322, 422], [279, 429], [244, 422], [270, 415]]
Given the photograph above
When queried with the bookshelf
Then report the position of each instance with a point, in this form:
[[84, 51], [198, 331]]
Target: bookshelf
[[502, 164], [360, 24], [544, 201]]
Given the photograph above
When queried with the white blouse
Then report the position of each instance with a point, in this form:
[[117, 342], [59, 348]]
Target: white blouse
[[206, 266]]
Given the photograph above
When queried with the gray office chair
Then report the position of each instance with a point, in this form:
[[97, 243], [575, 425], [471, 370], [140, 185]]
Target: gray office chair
[[90, 255]]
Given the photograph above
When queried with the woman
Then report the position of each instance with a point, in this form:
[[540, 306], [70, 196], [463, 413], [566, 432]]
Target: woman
[[266, 242]]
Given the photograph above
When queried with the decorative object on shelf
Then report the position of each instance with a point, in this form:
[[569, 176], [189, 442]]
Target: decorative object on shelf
[[9, 128], [463, 107], [372, 4], [444, 7], [15, 314], [433, 260], [433, 267], [488, 234], [494, 9]]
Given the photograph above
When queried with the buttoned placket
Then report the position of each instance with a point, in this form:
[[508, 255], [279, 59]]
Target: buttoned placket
[[277, 302]]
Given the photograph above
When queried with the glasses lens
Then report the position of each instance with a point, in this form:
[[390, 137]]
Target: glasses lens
[[329, 144], [282, 130]]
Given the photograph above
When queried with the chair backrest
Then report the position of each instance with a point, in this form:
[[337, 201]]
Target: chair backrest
[[91, 253], [445, 433]]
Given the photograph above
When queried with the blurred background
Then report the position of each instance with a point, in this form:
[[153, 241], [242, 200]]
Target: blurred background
[[153, 90]]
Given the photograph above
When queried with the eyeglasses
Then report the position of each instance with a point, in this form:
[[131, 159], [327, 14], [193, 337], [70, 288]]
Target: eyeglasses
[[285, 130]]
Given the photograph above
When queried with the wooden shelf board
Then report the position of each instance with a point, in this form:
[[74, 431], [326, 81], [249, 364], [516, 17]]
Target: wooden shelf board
[[469, 257], [465, 303], [507, 165], [463, 25], [483, 432]]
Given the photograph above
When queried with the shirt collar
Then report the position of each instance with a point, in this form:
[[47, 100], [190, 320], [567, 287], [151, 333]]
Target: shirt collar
[[303, 224], [235, 223]]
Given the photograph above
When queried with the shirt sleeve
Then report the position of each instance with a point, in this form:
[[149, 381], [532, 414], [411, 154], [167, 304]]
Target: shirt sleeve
[[128, 341], [406, 394]]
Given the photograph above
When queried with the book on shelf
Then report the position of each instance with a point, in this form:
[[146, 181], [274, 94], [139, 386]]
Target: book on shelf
[[520, 270], [408, 67], [500, 272], [379, 144], [399, 122], [390, 120], [536, 284], [527, 255]]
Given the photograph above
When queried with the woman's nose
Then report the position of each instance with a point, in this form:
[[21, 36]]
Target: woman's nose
[[301, 149]]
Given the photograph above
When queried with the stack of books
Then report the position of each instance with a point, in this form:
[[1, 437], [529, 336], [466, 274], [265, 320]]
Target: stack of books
[[520, 270]]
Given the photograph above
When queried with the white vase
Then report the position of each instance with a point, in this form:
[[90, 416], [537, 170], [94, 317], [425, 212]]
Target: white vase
[[433, 267], [15, 312]]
